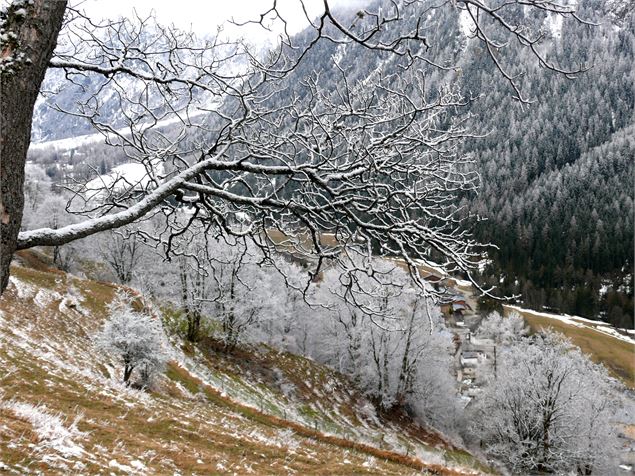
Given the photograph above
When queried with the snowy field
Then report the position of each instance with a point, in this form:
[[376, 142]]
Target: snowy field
[[599, 326]]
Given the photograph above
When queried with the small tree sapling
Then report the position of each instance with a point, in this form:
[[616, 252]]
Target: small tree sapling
[[135, 338]]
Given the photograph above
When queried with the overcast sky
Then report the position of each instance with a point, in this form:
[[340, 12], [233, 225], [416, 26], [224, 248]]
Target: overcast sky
[[203, 16]]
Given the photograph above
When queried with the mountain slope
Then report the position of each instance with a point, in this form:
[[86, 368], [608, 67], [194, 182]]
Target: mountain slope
[[62, 409]]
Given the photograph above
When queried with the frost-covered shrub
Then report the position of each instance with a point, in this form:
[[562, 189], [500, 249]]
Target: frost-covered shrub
[[136, 338], [503, 330]]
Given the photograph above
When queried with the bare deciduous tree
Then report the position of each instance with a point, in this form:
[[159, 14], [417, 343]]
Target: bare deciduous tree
[[548, 410], [121, 250], [375, 162]]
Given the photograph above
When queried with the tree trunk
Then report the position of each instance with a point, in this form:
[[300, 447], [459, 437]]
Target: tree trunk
[[193, 325], [36, 26], [127, 372], [404, 378]]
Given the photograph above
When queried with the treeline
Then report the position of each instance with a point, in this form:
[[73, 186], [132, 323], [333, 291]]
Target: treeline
[[557, 176], [572, 242]]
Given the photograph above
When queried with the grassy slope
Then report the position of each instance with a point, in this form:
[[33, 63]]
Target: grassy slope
[[617, 355], [204, 418]]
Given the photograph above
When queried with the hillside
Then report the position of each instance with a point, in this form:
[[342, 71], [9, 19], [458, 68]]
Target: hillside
[[258, 411]]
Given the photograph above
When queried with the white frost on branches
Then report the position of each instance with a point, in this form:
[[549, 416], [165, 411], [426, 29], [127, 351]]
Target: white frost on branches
[[503, 330], [135, 338], [548, 410]]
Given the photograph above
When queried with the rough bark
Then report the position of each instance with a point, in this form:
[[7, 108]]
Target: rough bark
[[23, 62]]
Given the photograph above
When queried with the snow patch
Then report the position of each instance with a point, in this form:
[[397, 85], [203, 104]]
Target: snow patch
[[76, 142], [466, 24], [50, 428], [24, 290], [339, 54], [121, 467], [554, 24], [44, 297], [598, 326], [614, 333], [123, 177], [138, 465]]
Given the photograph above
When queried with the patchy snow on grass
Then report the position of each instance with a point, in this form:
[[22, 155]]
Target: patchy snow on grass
[[589, 321], [76, 142], [558, 317], [437, 268], [614, 333], [50, 429], [24, 290], [139, 466], [462, 283], [114, 464], [44, 297], [598, 326], [123, 177]]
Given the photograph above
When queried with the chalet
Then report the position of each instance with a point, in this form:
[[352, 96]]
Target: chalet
[[455, 306], [434, 280], [471, 358], [459, 306]]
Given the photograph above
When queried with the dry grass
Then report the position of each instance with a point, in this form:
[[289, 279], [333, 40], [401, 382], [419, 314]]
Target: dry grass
[[617, 355], [184, 425], [301, 245], [213, 395]]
